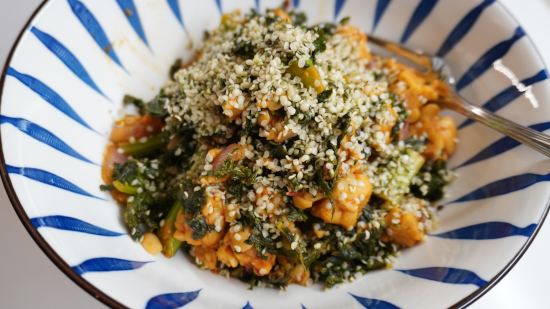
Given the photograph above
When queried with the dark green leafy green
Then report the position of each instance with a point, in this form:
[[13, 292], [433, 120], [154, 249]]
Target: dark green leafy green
[[175, 67], [436, 184], [296, 214], [193, 201], [258, 240], [320, 44], [153, 143], [236, 172], [199, 225], [155, 107], [344, 21], [324, 96], [104, 188], [299, 19], [244, 50]]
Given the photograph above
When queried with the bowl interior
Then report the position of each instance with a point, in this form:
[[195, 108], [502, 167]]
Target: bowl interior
[[75, 61]]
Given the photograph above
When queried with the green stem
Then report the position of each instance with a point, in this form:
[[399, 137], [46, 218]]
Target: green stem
[[152, 143], [124, 188], [170, 245]]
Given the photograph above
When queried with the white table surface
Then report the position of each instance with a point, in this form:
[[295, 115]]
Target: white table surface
[[28, 279]]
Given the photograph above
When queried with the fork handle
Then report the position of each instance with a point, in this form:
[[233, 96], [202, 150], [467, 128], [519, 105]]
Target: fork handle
[[524, 135]]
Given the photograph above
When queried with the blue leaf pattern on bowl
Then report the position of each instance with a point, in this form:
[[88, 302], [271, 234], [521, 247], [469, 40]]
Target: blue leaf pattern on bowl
[[503, 186], [381, 6], [247, 306], [338, 5], [129, 10], [486, 61], [172, 300], [371, 303], [420, 13], [463, 27], [219, 4], [502, 145], [67, 58], [72, 224], [42, 135], [508, 95], [104, 264], [94, 29], [488, 230], [47, 178], [48, 95], [446, 275], [175, 7]]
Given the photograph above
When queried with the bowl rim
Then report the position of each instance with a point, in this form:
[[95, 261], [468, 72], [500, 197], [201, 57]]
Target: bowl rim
[[111, 302]]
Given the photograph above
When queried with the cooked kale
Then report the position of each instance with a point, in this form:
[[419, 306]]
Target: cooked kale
[[436, 184], [193, 201], [199, 225], [324, 96], [104, 188], [298, 18], [277, 278], [296, 214], [127, 172], [244, 50], [155, 107], [415, 143], [257, 239], [402, 114], [328, 28], [235, 171], [153, 143], [176, 66], [344, 21], [320, 44]]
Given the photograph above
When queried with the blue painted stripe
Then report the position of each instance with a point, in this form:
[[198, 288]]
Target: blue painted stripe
[[381, 7], [67, 58], [371, 303], [502, 145], [129, 10], [303, 307], [420, 13], [48, 178], [175, 7], [248, 306], [503, 186], [42, 135], [446, 275], [171, 301], [48, 95], [508, 95], [104, 264], [463, 27], [257, 3], [338, 5], [296, 3], [71, 224], [488, 230], [94, 29], [486, 61], [219, 4]]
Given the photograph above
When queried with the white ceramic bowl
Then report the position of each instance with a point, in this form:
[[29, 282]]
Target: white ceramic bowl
[[62, 89]]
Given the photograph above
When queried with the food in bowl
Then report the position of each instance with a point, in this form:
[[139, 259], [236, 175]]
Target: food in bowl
[[283, 154]]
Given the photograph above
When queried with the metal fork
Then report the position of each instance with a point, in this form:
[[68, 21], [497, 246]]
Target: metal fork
[[432, 64]]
